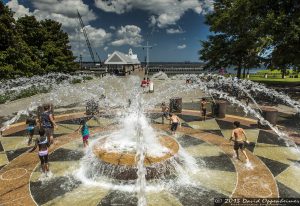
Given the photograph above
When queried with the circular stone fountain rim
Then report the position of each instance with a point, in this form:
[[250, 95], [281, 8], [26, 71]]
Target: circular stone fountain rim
[[129, 159]]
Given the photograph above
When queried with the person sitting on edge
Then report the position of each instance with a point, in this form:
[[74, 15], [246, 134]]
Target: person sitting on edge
[[174, 121], [31, 122], [203, 108], [43, 144], [239, 138], [84, 132], [165, 111], [48, 123]]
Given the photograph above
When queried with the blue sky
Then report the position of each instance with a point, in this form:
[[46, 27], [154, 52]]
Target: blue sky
[[173, 27]]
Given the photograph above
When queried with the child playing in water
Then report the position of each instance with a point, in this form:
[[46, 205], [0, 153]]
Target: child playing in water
[[240, 139], [174, 121], [43, 144], [84, 132], [31, 122]]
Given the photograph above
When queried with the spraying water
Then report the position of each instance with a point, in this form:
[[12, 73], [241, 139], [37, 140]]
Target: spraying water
[[134, 134], [140, 157]]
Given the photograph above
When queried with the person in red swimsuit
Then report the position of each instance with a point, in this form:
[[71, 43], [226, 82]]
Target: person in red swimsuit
[[144, 83]]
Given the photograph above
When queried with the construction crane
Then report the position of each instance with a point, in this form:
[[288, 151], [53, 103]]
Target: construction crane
[[86, 38], [98, 57]]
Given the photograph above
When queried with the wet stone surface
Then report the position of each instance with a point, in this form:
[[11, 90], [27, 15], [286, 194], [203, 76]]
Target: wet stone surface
[[195, 196], [274, 166], [119, 198], [59, 186], [270, 138], [63, 154], [221, 162], [187, 140]]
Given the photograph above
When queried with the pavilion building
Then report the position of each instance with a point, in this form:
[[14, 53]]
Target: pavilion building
[[122, 64]]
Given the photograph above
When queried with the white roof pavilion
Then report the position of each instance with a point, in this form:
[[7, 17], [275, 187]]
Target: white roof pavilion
[[119, 58]]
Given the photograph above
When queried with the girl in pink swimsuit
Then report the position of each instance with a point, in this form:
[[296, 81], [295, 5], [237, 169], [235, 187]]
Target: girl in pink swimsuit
[[43, 144]]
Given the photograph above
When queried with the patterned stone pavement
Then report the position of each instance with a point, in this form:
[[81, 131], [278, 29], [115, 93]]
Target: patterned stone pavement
[[274, 170]]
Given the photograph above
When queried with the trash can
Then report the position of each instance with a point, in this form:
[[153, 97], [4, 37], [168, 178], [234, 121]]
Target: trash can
[[214, 109], [218, 108], [175, 105], [269, 114]]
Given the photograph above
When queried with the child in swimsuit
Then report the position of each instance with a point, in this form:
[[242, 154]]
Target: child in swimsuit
[[43, 144], [174, 121], [239, 138], [31, 122], [84, 132]]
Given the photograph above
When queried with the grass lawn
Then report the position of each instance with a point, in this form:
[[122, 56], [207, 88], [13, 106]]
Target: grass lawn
[[286, 81]]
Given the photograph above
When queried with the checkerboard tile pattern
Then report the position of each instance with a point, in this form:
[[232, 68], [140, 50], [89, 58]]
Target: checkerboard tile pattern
[[282, 161]]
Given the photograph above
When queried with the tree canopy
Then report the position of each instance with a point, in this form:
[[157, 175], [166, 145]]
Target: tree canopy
[[30, 47], [249, 33]]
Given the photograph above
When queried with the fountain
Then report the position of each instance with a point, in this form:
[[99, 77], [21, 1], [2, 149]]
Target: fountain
[[126, 161], [138, 159]]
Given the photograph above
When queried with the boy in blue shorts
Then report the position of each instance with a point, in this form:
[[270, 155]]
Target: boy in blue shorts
[[31, 124]]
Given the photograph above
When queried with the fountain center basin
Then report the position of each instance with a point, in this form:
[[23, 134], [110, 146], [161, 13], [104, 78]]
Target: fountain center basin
[[125, 161]]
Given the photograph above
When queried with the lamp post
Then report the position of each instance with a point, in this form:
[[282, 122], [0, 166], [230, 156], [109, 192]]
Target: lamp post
[[147, 47]]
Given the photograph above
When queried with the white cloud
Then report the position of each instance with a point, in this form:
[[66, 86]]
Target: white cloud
[[64, 11], [164, 13], [97, 36], [152, 20], [19, 10], [112, 27], [105, 48], [128, 35], [183, 46], [175, 31], [67, 8]]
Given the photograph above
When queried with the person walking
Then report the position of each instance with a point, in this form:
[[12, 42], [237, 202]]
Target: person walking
[[240, 139], [48, 123]]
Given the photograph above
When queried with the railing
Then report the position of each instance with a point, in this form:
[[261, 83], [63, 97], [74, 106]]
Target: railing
[[176, 70]]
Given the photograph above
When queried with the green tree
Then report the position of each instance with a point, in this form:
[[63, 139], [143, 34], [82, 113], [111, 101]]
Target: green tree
[[7, 24], [233, 42], [279, 22], [257, 32], [29, 47], [56, 48], [214, 52]]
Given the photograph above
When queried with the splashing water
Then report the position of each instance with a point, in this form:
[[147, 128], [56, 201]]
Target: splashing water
[[140, 157], [249, 165], [135, 133]]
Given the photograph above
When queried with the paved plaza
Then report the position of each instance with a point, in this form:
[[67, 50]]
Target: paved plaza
[[274, 170]]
